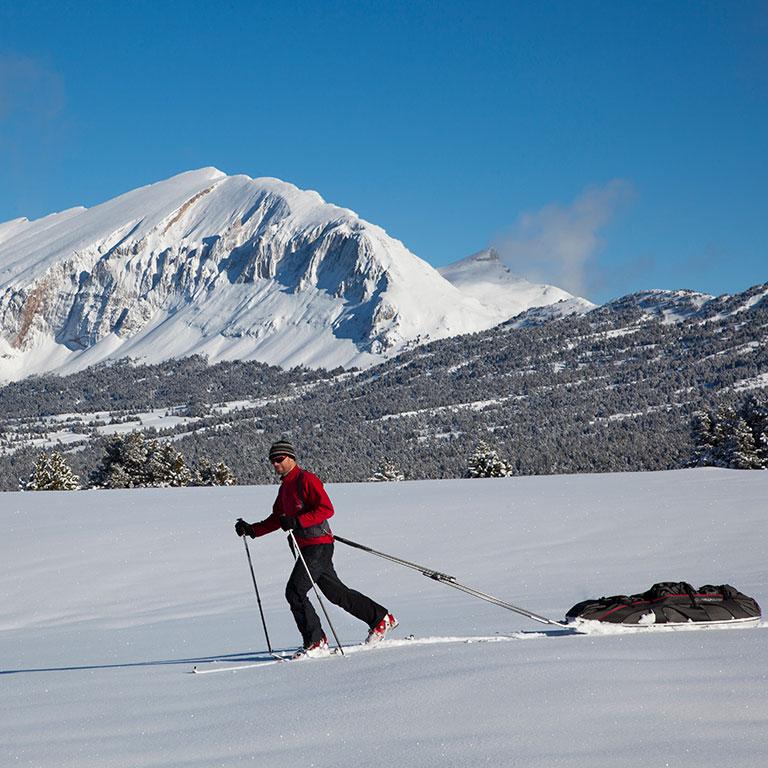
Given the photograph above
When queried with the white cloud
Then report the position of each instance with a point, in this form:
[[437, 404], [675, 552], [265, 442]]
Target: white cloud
[[33, 132], [558, 244], [29, 89]]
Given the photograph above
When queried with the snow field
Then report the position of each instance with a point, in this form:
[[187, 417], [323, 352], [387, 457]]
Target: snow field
[[110, 597]]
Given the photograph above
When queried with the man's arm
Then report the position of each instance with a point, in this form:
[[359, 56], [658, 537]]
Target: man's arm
[[267, 525]]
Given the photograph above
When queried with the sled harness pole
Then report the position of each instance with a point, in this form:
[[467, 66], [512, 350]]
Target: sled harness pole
[[450, 581], [258, 599], [296, 549]]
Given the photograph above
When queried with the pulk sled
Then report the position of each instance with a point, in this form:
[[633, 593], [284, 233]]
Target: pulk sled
[[450, 581]]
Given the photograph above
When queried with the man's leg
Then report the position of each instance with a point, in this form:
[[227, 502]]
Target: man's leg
[[296, 593], [356, 603]]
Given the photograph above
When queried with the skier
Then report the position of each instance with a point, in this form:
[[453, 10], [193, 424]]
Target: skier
[[302, 505]]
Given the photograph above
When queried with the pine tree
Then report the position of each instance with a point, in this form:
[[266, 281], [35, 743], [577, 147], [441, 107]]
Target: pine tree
[[755, 413], [702, 428], [221, 474], [132, 462], [722, 427], [124, 463], [485, 462], [739, 450], [387, 472], [730, 437], [51, 473], [166, 467]]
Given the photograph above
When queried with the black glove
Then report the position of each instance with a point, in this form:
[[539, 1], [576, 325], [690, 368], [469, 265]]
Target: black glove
[[241, 527], [287, 523]]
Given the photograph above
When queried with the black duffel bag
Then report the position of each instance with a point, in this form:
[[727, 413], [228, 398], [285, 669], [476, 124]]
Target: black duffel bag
[[670, 602]]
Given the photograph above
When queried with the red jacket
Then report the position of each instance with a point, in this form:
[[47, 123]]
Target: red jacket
[[315, 508]]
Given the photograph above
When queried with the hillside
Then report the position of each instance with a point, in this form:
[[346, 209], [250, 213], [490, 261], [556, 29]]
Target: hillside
[[611, 390], [110, 597]]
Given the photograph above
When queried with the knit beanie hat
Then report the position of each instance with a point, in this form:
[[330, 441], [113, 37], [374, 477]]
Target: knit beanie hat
[[282, 448]]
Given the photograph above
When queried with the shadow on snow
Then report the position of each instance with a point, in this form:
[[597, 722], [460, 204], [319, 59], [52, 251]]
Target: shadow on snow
[[249, 656]]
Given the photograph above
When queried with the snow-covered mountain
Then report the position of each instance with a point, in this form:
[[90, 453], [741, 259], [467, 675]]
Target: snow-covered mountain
[[682, 305], [232, 268], [485, 277]]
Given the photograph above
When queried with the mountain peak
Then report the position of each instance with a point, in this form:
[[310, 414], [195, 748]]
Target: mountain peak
[[486, 255], [484, 276]]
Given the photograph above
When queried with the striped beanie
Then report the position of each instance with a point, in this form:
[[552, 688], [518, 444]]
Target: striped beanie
[[282, 448]]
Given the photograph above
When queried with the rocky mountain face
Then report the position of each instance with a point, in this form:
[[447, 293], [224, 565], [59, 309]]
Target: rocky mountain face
[[231, 268]]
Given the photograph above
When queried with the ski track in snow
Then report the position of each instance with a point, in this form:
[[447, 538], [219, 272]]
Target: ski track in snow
[[258, 659]]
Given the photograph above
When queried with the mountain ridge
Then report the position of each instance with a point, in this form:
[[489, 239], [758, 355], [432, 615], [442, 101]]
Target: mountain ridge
[[225, 266]]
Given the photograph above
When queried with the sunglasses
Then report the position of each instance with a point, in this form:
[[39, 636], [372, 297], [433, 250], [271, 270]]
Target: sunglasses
[[278, 459]]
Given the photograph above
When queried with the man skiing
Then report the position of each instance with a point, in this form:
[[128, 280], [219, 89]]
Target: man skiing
[[302, 505]]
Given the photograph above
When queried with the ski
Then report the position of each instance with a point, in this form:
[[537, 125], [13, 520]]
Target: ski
[[333, 653], [235, 667], [265, 663], [267, 659]]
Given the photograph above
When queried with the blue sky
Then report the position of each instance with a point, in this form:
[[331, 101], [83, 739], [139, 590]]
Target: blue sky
[[604, 147]]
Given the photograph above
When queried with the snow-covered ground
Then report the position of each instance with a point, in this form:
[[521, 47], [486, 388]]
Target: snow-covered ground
[[110, 597]]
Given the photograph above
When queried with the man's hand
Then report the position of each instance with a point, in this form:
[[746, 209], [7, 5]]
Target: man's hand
[[242, 528], [287, 523]]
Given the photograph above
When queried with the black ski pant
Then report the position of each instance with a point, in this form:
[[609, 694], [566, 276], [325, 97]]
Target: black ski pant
[[319, 559]]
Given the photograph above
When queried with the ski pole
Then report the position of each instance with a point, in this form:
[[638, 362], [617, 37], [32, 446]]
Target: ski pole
[[258, 599], [296, 549], [444, 578]]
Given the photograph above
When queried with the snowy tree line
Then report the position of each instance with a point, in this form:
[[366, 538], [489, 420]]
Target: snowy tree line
[[735, 437], [613, 390], [129, 461], [132, 462]]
